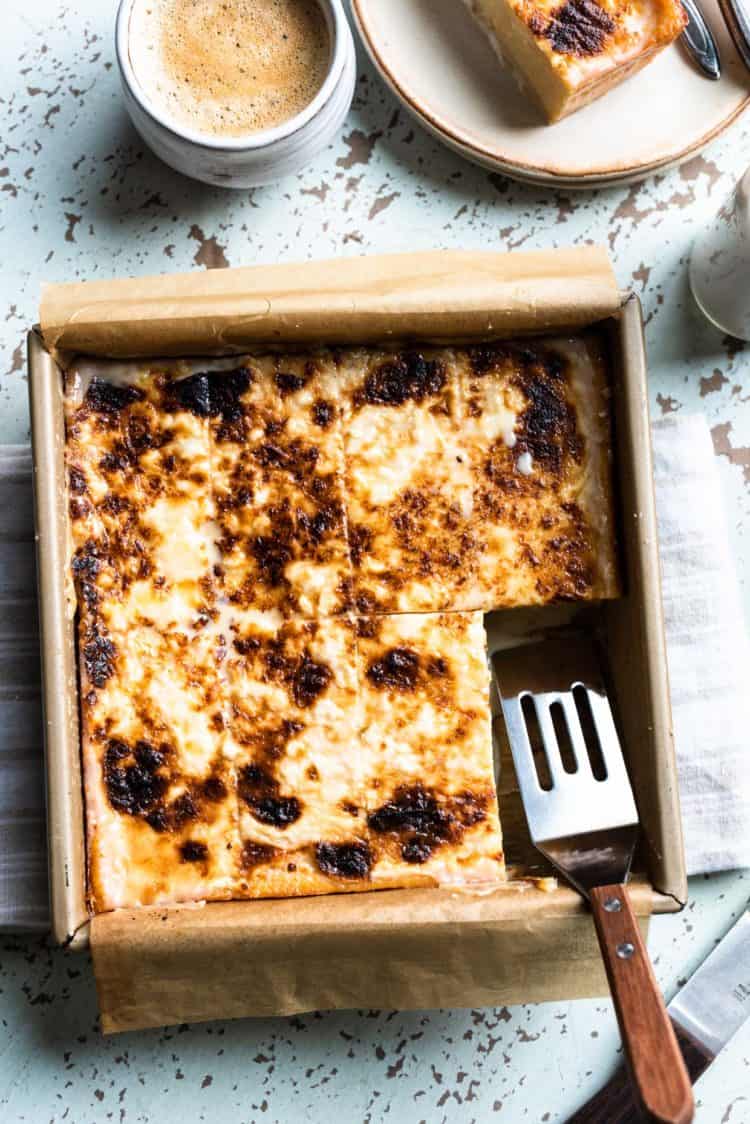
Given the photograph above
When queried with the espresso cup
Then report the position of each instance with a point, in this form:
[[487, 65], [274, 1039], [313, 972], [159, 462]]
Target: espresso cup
[[260, 157]]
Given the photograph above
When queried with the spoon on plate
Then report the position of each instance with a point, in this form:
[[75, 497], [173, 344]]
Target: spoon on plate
[[698, 40]]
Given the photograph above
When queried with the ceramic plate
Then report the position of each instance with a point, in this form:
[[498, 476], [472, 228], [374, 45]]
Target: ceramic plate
[[442, 66]]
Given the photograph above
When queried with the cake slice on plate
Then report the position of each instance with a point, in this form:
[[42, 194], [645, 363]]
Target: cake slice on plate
[[572, 52]]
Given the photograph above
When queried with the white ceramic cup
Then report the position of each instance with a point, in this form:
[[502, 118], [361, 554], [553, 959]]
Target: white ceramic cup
[[260, 157]]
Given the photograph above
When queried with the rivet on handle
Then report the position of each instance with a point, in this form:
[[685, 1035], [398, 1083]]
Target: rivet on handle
[[613, 905], [625, 950]]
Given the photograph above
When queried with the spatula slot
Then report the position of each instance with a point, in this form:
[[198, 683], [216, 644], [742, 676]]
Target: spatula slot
[[564, 740], [536, 741], [590, 733]]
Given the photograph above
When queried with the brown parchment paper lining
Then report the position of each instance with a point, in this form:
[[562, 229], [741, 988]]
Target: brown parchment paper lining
[[402, 948], [439, 295], [405, 949]]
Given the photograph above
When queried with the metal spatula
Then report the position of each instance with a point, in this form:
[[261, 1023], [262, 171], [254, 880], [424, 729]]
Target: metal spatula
[[582, 816]]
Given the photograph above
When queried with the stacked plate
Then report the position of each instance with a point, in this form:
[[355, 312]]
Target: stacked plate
[[444, 69]]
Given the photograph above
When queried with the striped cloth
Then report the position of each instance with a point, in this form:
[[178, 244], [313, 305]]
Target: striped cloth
[[707, 645], [23, 842]]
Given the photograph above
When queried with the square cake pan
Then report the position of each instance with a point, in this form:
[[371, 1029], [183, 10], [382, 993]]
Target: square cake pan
[[432, 947]]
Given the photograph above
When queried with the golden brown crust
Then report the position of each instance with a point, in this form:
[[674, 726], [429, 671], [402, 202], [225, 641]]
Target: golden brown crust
[[277, 461], [430, 791], [253, 725], [542, 512], [469, 476], [570, 52], [583, 29], [160, 791]]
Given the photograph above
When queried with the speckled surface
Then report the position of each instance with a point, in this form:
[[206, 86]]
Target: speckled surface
[[79, 197]]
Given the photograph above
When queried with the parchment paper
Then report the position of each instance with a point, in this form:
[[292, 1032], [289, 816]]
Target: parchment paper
[[402, 948], [440, 295], [405, 949]]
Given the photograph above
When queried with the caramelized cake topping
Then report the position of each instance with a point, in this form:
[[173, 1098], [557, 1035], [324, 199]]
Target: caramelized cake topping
[[274, 699], [578, 27], [487, 486], [572, 52]]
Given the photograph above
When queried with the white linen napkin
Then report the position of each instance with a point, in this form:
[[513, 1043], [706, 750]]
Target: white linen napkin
[[707, 648], [708, 652]]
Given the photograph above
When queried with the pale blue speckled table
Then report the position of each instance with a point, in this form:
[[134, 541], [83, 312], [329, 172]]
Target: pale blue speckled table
[[81, 198]]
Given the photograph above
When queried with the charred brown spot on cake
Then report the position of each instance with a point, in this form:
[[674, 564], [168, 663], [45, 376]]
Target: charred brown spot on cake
[[183, 809], [570, 556], [405, 377], [99, 656], [108, 400], [368, 628], [214, 789], [323, 413], [246, 645], [260, 791], [114, 504], [141, 435], [397, 669], [79, 508], [486, 358], [193, 851], [87, 561], [578, 27], [191, 393], [311, 679], [133, 778], [77, 481], [344, 860], [327, 520], [360, 542], [407, 513], [272, 556], [423, 823], [295, 457], [365, 603], [191, 805], [117, 459], [304, 677], [256, 854], [215, 394], [289, 382], [436, 667], [547, 427]]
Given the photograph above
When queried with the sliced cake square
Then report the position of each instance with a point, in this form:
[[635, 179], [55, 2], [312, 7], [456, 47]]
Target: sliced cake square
[[160, 793], [294, 721], [571, 52], [140, 500], [432, 812], [406, 477], [276, 469], [479, 478], [537, 436]]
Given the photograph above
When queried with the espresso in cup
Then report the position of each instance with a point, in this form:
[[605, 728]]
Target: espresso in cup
[[229, 68]]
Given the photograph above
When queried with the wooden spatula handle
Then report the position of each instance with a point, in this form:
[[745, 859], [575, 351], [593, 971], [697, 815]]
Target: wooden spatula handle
[[659, 1075], [615, 1102]]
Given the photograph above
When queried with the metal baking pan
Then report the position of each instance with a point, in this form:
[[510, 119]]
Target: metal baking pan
[[633, 635]]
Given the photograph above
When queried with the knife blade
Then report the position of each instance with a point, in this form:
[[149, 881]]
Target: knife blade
[[708, 1011], [699, 42], [736, 15]]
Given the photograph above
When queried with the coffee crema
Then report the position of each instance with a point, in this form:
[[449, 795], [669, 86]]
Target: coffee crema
[[229, 68]]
